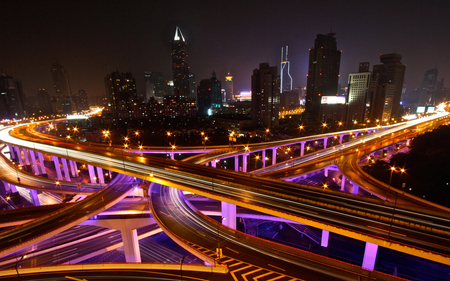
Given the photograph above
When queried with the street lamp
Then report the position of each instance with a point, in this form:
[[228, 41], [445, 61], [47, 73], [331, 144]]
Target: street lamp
[[324, 125], [17, 264]]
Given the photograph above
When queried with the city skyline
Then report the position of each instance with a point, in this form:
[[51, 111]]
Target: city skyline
[[93, 39]]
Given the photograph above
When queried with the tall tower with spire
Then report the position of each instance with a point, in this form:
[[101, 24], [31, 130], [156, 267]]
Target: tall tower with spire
[[180, 68], [285, 75]]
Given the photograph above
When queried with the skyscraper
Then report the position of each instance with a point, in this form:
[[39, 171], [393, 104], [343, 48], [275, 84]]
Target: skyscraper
[[209, 99], [389, 83], [285, 75], [122, 96], [229, 87], [63, 93], [323, 74], [81, 100], [265, 96], [155, 86], [427, 91], [44, 102], [359, 96], [180, 68], [13, 103]]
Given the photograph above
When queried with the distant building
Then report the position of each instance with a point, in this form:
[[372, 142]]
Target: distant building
[[285, 73], [180, 67], [122, 97], [44, 102], [63, 94], [359, 94], [13, 104], [179, 106], [192, 87], [81, 100], [209, 98], [237, 108], [155, 86], [323, 74], [229, 87], [428, 89], [290, 100], [265, 96], [389, 78]]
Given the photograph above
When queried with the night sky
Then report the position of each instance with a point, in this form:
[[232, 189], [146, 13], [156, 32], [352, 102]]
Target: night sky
[[92, 38]]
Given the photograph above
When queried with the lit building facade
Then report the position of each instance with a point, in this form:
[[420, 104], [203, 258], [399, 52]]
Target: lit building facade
[[63, 94], [229, 87], [265, 96], [122, 97], [359, 94], [180, 67], [209, 96], [13, 104], [285, 73]]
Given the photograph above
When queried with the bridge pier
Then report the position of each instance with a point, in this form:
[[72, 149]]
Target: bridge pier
[[41, 162], [236, 163], [263, 158], [274, 155], [244, 162], [11, 152], [65, 168], [341, 138], [213, 163], [302, 148], [101, 178], [19, 155], [57, 168], [34, 197], [370, 256], [325, 142], [73, 168], [25, 156], [34, 162], [343, 183], [229, 215], [92, 174], [355, 189], [131, 245], [172, 156], [325, 238]]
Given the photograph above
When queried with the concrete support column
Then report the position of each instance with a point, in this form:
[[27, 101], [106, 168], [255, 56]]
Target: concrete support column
[[66, 169], [356, 135], [131, 245], [325, 172], [207, 164], [341, 138], [236, 163], [274, 155], [34, 162], [244, 162], [325, 238], [229, 215], [92, 174], [12, 188], [370, 256], [7, 187], [57, 168], [19, 155], [34, 197], [73, 168], [41, 162], [407, 142], [325, 140], [263, 158], [11, 152], [172, 156], [302, 148], [101, 178], [25, 155], [343, 183], [355, 189], [213, 164]]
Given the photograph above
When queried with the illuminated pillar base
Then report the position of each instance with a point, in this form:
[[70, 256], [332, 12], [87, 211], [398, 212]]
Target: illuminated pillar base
[[12, 188], [341, 138], [229, 215], [302, 148], [25, 155], [172, 156], [12, 156], [236, 163], [213, 163], [370, 256], [66, 169], [325, 238], [57, 168], [41, 163], [244, 162], [325, 142], [131, 245], [101, 179], [73, 168], [92, 174], [34, 197]]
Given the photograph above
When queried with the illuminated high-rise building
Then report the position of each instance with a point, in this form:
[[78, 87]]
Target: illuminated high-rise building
[[209, 98], [13, 103], [427, 91], [180, 67], [81, 100], [122, 96], [389, 78], [229, 87], [323, 74], [359, 94], [63, 94], [265, 96], [285, 75]]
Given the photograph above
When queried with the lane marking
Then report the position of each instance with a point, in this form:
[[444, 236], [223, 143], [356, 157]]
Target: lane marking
[[275, 278], [232, 250], [236, 264], [242, 268], [265, 274], [250, 272]]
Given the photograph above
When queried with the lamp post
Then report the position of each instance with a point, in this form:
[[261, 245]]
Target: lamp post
[[181, 267], [17, 264], [324, 125]]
